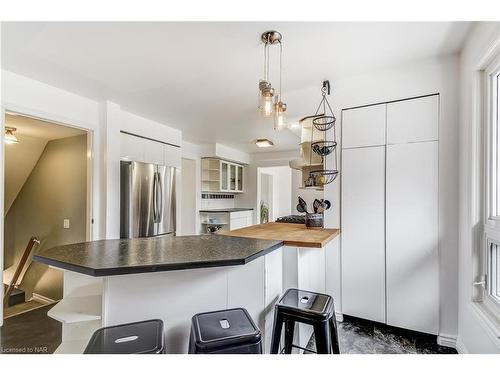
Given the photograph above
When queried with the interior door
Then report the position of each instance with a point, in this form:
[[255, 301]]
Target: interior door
[[363, 232], [412, 236], [165, 193]]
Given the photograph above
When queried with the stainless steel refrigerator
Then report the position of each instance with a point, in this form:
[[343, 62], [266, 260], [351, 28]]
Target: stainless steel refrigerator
[[147, 200]]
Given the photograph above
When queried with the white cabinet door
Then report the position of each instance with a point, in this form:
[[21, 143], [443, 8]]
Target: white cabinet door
[[412, 236], [363, 232], [224, 176], [153, 152], [172, 156], [363, 126], [413, 120], [239, 178], [131, 148]]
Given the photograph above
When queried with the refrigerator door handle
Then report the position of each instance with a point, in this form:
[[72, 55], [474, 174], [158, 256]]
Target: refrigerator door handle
[[160, 201], [155, 204]]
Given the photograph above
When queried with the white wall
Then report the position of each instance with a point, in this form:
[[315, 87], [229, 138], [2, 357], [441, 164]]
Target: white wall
[[437, 75], [473, 335]]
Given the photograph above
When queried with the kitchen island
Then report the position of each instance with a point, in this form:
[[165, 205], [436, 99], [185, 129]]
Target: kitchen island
[[111, 282]]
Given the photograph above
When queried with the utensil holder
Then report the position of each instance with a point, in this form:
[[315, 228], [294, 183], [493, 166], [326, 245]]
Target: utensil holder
[[314, 220]]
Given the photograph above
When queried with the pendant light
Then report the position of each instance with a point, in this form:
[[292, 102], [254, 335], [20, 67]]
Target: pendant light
[[279, 106], [9, 137], [269, 102]]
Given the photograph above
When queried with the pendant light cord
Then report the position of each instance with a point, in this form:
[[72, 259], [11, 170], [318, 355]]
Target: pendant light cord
[[281, 66]]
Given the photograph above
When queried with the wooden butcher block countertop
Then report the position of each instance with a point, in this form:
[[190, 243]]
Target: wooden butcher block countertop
[[291, 234]]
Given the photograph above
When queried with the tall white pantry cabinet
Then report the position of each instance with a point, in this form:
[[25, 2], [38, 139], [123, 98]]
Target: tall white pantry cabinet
[[389, 213]]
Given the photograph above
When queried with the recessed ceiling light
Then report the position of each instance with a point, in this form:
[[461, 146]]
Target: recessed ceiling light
[[264, 142]]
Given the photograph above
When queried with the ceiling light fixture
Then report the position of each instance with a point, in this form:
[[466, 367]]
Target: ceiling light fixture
[[264, 143], [9, 137], [269, 101]]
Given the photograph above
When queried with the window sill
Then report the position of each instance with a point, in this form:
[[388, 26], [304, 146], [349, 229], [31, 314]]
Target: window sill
[[489, 319]]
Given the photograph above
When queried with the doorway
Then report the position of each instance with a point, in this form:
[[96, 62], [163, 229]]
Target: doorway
[[45, 205], [274, 193]]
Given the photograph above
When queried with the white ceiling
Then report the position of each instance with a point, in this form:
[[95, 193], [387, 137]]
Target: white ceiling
[[202, 77]]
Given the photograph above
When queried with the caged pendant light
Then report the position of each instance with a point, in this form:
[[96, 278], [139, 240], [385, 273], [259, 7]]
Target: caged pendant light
[[270, 102]]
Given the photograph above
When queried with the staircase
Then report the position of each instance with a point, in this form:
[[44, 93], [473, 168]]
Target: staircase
[[16, 296]]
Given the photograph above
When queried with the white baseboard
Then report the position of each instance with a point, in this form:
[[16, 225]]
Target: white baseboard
[[461, 349], [339, 317], [42, 299], [448, 341]]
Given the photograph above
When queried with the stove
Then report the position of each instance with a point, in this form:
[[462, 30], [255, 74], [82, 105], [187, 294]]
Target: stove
[[292, 219]]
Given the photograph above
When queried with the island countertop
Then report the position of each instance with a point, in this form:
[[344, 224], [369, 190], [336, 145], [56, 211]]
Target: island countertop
[[154, 254], [291, 234]]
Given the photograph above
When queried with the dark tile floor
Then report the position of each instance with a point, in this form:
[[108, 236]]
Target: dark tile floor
[[358, 336], [32, 332], [35, 332]]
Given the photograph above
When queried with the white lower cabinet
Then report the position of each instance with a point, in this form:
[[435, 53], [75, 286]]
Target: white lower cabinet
[[363, 233], [412, 236]]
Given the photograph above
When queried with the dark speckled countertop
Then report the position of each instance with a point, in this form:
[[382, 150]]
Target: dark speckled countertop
[[139, 255]]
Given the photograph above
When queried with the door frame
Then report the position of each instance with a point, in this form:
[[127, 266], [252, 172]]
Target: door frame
[[91, 150]]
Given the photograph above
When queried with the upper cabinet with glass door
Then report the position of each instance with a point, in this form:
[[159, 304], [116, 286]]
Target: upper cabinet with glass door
[[221, 176]]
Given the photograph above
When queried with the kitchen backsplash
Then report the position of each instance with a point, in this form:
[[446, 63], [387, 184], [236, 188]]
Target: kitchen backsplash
[[216, 201]]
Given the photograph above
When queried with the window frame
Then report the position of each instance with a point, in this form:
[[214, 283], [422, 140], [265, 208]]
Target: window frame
[[490, 233]]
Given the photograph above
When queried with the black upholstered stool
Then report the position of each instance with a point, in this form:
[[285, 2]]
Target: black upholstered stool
[[146, 337], [315, 309], [224, 332]]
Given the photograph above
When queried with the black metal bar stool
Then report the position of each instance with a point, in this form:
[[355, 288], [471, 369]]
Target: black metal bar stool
[[315, 309], [224, 332], [146, 337]]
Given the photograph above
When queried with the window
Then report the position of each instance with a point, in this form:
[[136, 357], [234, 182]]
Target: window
[[494, 272], [489, 279]]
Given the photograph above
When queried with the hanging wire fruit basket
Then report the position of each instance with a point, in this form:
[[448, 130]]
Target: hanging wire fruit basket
[[324, 176], [324, 123], [323, 148], [323, 120]]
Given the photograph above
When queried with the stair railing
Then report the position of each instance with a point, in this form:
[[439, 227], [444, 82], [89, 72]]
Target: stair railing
[[24, 259]]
